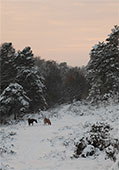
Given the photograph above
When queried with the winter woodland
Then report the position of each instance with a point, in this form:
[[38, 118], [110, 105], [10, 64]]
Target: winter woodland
[[82, 104]]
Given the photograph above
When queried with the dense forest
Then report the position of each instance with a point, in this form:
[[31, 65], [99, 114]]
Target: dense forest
[[30, 84]]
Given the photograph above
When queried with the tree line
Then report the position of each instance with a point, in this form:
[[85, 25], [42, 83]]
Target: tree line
[[30, 84]]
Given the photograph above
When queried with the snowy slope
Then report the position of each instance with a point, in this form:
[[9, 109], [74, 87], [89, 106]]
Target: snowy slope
[[43, 147]]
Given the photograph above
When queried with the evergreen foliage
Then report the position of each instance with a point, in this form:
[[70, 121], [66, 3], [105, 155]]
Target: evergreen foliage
[[13, 101], [7, 71], [34, 88], [103, 68], [28, 77], [24, 59], [20, 70]]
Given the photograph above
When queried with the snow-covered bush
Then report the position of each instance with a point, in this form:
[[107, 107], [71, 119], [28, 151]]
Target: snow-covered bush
[[98, 139]]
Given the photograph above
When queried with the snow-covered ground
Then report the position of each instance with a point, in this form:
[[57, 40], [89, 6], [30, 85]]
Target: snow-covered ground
[[45, 147]]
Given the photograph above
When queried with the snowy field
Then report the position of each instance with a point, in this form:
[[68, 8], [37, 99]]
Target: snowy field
[[45, 147]]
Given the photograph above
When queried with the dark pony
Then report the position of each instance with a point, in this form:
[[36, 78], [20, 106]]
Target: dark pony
[[30, 121]]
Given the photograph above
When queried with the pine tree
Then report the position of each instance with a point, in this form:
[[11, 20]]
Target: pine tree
[[103, 67], [7, 72], [13, 101], [113, 38], [28, 77], [24, 59], [34, 88]]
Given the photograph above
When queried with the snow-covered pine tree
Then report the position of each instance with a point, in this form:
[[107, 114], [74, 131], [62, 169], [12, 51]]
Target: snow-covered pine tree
[[28, 77], [34, 88], [24, 59], [7, 71], [103, 68], [13, 101], [114, 37]]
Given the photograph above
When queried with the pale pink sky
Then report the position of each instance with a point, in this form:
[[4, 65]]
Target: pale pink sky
[[61, 30]]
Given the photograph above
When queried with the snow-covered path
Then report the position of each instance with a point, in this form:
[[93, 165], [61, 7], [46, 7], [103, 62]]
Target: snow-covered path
[[43, 147]]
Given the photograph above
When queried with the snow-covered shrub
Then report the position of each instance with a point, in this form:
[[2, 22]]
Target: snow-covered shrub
[[98, 139], [80, 146], [89, 150]]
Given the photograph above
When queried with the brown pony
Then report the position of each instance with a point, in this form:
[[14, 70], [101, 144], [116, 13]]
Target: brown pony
[[47, 121], [30, 121]]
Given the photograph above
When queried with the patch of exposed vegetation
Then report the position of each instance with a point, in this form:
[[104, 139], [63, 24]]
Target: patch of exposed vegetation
[[98, 139]]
